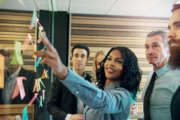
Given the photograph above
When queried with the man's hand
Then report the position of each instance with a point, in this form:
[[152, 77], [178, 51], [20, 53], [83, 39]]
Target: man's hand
[[76, 117], [51, 57]]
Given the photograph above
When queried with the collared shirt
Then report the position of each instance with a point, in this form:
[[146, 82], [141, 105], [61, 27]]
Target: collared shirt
[[113, 103], [159, 73], [165, 86]]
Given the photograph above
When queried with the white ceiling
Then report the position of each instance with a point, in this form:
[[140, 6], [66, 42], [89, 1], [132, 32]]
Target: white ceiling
[[146, 8]]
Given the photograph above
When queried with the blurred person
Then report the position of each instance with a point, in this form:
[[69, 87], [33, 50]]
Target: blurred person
[[12, 71], [99, 56], [98, 59]]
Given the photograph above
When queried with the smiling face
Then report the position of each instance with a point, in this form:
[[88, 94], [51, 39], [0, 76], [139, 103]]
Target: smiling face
[[113, 66], [156, 52]]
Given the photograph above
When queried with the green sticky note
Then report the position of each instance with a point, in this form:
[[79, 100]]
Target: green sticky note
[[17, 57], [1, 1], [34, 18], [18, 52], [14, 60]]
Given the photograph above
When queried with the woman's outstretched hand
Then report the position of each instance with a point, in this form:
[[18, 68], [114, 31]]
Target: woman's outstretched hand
[[51, 57]]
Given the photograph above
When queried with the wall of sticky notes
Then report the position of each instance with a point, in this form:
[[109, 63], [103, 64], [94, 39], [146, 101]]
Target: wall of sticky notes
[[14, 26]]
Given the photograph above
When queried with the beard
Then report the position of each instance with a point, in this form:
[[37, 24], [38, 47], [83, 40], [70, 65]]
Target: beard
[[174, 59]]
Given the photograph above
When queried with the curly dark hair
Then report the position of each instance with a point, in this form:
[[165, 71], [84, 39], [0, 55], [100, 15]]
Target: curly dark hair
[[131, 75]]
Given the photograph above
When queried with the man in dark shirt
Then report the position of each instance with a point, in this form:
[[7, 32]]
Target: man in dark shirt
[[62, 104]]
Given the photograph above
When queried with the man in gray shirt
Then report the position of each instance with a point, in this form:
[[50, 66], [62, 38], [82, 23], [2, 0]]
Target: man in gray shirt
[[157, 54], [159, 90]]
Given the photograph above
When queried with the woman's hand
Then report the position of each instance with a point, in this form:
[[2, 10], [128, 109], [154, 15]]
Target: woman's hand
[[51, 57]]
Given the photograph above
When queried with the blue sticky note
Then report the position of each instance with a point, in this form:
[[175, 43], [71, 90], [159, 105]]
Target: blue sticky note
[[38, 61], [40, 102], [34, 18], [39, 58], [25, 113]]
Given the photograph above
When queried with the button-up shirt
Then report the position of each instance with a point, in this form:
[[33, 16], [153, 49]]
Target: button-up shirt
[[113, 103], [165, 85]]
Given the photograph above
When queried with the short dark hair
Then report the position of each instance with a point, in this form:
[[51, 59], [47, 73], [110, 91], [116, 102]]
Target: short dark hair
[[81, 47], [161, 33]]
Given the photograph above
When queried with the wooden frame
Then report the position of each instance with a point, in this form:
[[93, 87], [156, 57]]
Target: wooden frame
[[2, 67], [11, 111]]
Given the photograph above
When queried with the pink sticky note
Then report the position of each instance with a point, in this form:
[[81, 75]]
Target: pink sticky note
[[30, 38], [33, 99], [43, 95], [27, 41], [35, 85], [21, 86]]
